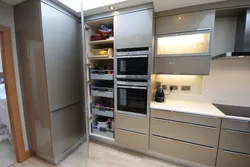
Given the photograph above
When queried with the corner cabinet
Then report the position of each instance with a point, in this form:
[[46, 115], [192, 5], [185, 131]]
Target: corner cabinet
[[183, 43]]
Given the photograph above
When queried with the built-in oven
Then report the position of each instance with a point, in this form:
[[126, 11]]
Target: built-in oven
[[132, 97], [133, 63]]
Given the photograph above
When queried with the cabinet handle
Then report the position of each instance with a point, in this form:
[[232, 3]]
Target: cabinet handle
[[236, 131], [237, 153], [237, 120]]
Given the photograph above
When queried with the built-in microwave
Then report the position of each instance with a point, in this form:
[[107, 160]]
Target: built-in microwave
[[133, 63], [132, 97]]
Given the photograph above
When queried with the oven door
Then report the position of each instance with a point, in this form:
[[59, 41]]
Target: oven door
[[132, 67], [132, 100]]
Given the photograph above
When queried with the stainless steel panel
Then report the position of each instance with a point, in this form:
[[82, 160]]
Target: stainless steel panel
[[62, 57], [66, 128], [197, 65], [183, 150], [236, 124], [187, 132], [131, 139], [235, 141], [134, 29], [189, 118], [232, 159], [185, 22]]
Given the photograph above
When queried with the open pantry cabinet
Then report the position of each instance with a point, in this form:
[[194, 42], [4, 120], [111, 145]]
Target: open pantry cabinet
[[99, 80]]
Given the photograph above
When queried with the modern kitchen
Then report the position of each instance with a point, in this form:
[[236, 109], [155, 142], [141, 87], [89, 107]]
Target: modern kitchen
[[170, 84]]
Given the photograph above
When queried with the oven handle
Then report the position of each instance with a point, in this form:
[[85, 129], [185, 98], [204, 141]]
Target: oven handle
[[132, 87], [140, 56]]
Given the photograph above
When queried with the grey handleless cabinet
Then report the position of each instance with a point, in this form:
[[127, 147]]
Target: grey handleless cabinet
[[134, 30], [48, 42], [61, 38]]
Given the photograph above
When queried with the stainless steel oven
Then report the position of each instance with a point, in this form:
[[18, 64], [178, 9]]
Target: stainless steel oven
[[132, 97], [133, 63]]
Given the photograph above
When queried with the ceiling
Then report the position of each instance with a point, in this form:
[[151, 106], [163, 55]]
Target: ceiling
[[159, 5]]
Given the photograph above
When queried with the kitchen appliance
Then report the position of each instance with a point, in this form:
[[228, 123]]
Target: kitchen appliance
[[133, 63], [132, 97], [242, 42], [159, 95]]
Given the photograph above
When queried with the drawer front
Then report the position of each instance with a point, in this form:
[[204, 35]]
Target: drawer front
[[132, 123], [131, 139], [231, 159], [182, 150], [235, 141], [190, 118], [236, 124], [186, 132]]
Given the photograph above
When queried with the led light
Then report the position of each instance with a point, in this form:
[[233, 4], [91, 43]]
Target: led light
[[179, 18], [111, 8], [87, 5], [240, 56]]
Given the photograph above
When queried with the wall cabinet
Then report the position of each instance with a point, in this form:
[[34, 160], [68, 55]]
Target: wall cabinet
[[183, 43], [134, 30], [185, 22], [196, 65]]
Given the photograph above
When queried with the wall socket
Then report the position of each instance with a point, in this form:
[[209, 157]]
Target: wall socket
[[165, 87], [173, 87], [185, 88]]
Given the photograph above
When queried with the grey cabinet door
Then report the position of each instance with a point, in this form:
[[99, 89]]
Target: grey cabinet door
[[185, 22], [66, 128], [134, 29], [62, 57], [199, 65]]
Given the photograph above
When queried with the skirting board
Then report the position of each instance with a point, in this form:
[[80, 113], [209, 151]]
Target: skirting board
[[148, 153]]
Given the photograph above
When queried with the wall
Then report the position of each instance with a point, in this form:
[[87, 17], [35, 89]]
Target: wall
[[7, 19]]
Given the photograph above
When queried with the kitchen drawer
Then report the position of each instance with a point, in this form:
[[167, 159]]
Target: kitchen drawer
[[132, 123], [235, 124], [131, 139], [189, 118], [232, 159], [183, 150], [235, 141], [187, 132]]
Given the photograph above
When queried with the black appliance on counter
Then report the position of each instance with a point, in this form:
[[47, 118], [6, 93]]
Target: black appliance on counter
[[159, 95]]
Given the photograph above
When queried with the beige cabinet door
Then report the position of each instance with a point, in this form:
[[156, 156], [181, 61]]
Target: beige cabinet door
[[131, 139], [185, 22], [183, 150], [186, 132], [232, 159], [134, 29]]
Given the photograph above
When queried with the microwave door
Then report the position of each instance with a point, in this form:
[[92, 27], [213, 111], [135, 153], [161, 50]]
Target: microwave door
[[136, 67]]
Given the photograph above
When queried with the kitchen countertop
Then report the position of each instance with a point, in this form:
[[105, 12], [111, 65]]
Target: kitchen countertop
[[191, 107]]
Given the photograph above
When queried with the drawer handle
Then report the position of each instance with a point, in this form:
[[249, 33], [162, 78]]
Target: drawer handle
[[236, 131], [237, 153], [237, 120], [206, 116], [130, 131], [184, 123]]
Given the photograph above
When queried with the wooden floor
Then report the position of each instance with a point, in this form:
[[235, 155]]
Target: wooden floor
[[100, 156]]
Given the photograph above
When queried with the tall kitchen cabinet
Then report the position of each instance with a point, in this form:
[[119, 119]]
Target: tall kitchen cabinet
[[48, 44], [99, 80]]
